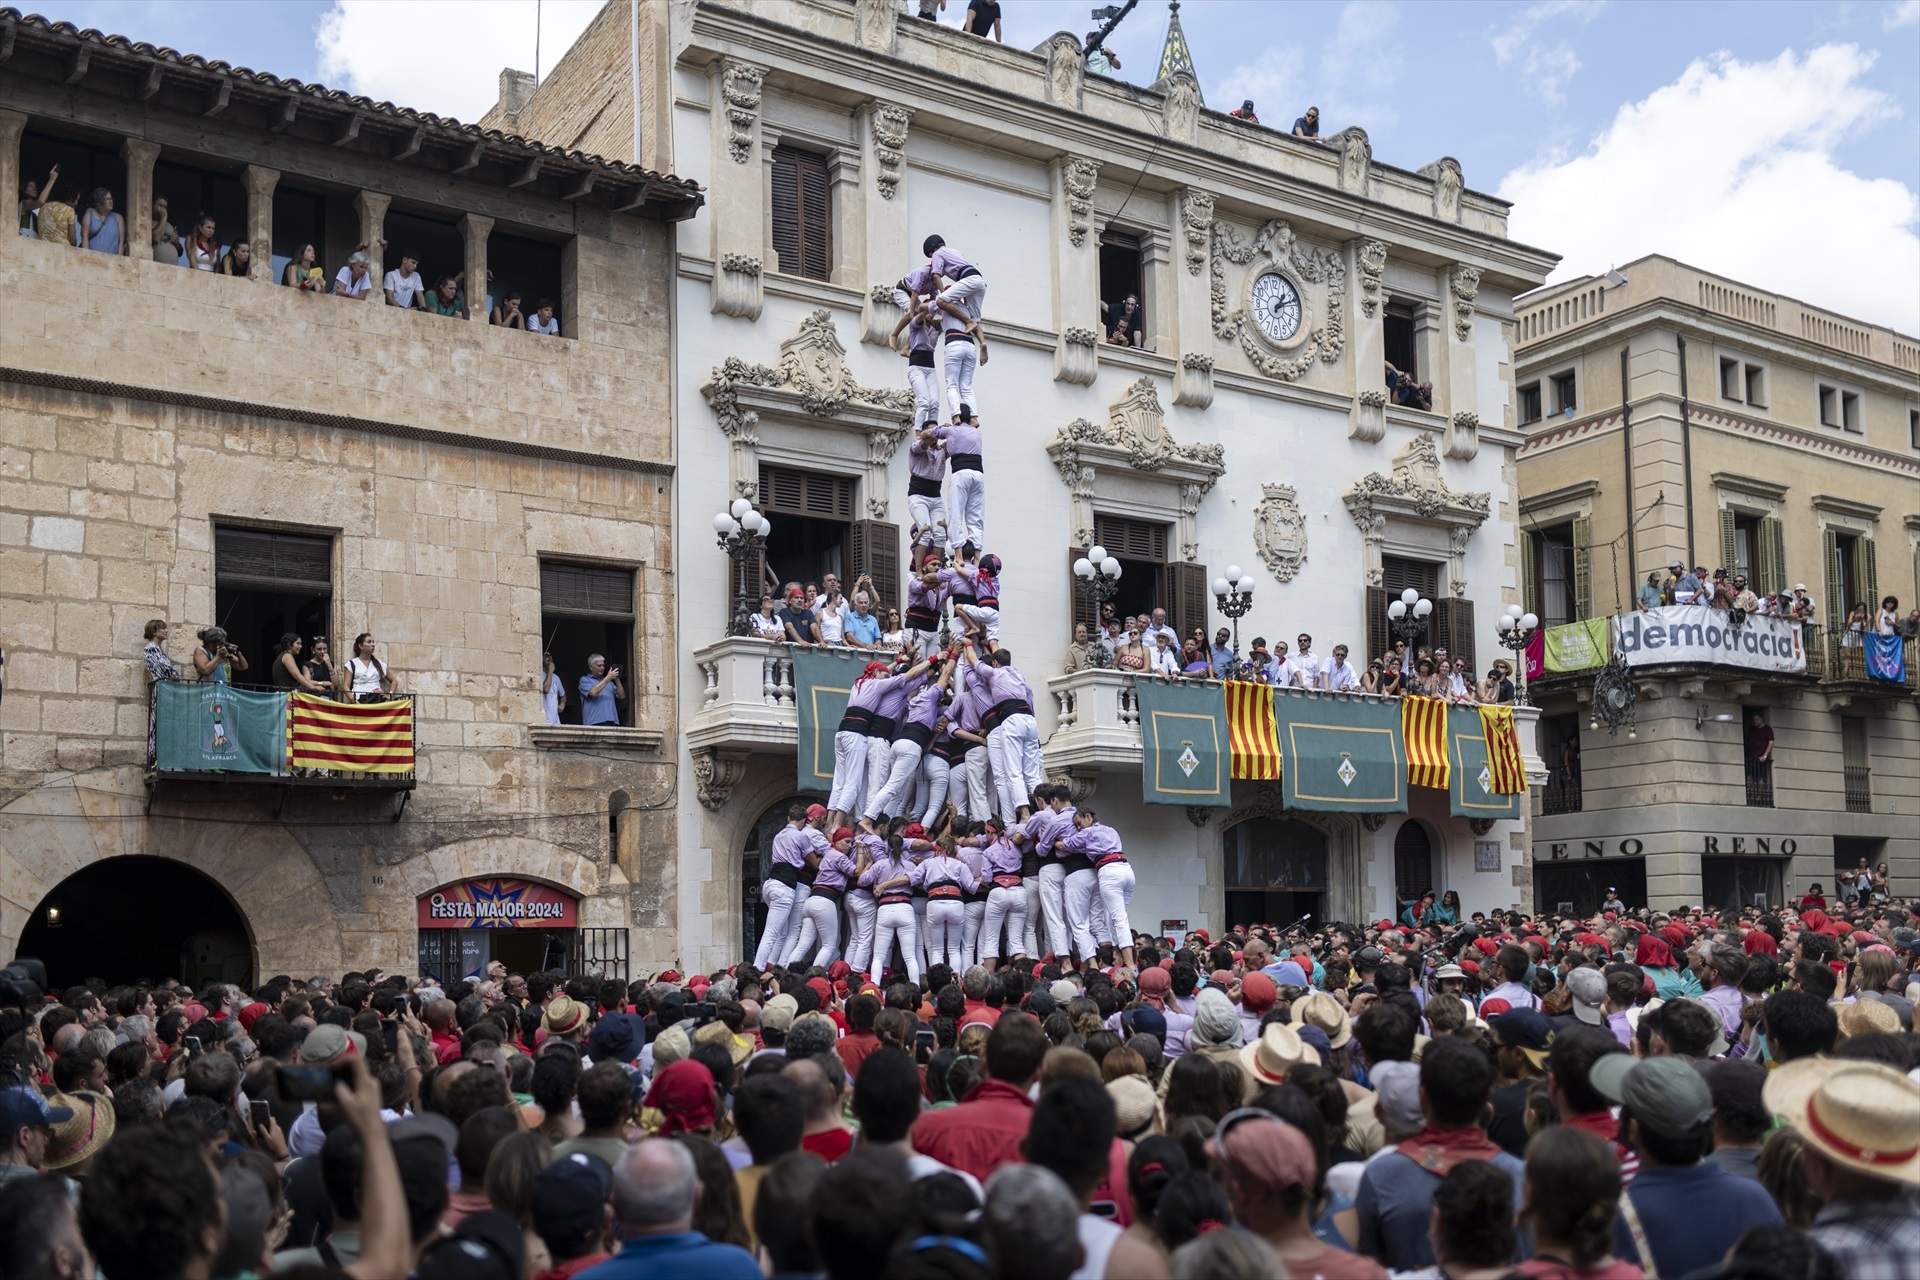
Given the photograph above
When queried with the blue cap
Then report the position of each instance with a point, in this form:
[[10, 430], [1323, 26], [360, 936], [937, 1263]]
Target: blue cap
[[1145, 1020], [1287, 974], [22, 1107]]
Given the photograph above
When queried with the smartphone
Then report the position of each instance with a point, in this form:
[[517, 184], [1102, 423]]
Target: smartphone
[[390, 1032], [923, 1043], [305, 1083], [194, 1046], [262, 1114]]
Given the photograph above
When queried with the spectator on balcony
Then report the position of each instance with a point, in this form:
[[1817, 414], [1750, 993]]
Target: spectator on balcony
[[1124, 327], [1406, 391], [1650, 596], [863, 628], [203, 246], [1460, 684], [1308, 125], [32, 196], [320, 665], [304, 272], [553, 690], [447, 299], [983, 18], [1151, 632], [167, 246], [159, 665], [1245, 112], [1498, 686], [216, 659], [1856, 626], [238, 259], [1339, 676], [1194, 662], [894, 636], [1426, 681], [1743, 597], [1308, 666], [403, 285], [798, 619], [1131, 654], [600, 692], [1804, 607], [1722, 598], [368, 679], [506, 313], [1393, 681], [99, 227], [1370, 678], [1681, 586], [830, 616], [1077, 651], [1910, 628], [1166, 659], [355, 280], [287, 671], [1887, 621], [543, 321], [766, 625], [1222, 652]]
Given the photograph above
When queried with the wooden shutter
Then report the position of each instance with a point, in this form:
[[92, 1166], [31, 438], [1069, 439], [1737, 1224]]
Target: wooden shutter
[[1080, 601], [588, 590], [1451, 628], [1836, 611], [802, 213], [1866, 573], [1582, 568], [1729, 543], [1379, 634], [873, 549], [747, 576], [271, 559], [1187, 595], [1530, 595], [1772, 575], [790, 491], [1131, 539]]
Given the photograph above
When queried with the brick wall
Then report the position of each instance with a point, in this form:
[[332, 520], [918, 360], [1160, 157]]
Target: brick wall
[[585, 103]]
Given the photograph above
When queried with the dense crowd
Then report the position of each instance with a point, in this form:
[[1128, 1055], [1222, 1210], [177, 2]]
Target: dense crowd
[[1631, 1093]]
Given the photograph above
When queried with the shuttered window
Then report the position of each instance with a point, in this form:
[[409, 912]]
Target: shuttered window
[[790, 491], [873, 551], [1398, 573], [1080, 606], [1127, 539], [586, 590], [802, 213], [1189, 591], [272, 560], [1451, 628]]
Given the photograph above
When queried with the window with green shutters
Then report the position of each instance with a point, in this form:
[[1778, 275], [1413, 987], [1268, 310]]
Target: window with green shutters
[[1771, 565], [1582, 567]]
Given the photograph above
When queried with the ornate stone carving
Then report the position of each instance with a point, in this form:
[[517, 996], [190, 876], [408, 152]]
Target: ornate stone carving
[[740, 263], [740, 89], [1372, 261], [1457, 539], [878, 21], [1372, 398], [1197, 362], [1199, 814], [889, 146], [879, 312], [1480, 826], [1415, 491], [1464, 283], [1134, 438], [716, 773], [1080, 336], [1280, 531], [813, 367], [1193, 381], [1463, 436], [737, 286], [1196, 220], [1367, 420], [1373, 821], [1075, 356], [1080, 785], [1066, 70], [1356, 159], [1180, 109], [1444, 173], [1079, 177], [1277, 244]]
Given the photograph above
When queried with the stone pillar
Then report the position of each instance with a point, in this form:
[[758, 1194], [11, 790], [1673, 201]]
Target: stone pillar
[[1187, 308], [12, 124], [1430, 347], [1463, 399], [1076, 270], [372, 208], [474, 231], [138, 214], [1659, 455], [1366, 339], [882, 130], [736, 196], [849, 265], [260, 183]]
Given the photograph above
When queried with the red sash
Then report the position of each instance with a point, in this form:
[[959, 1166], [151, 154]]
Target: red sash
[[1007, 881], [1105, 858], [1439, 1150]]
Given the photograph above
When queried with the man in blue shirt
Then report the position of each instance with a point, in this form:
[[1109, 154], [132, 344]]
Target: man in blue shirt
[[599, 691], [862, 628], [655, 1189], [1222, 653]]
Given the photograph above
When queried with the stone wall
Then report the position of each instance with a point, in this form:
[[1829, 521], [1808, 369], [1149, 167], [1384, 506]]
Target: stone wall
[[585, 102]]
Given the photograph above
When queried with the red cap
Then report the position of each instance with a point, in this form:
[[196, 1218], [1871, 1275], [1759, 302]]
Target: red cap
[[1486, 946], [914, 831], [250, 1013], [1495, 1006], [699, 982], [815, 812], [839, 969], [1203, 935], [841, 833], [1534, 937], [820, 988], [1470, 966], [671, 975], [1221, 976]]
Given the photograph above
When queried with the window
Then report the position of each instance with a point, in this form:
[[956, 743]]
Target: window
[[1563, 397], [1275, 869], [1829, 406], [816, 534], [299, 220], [587, 609], [1141, 548], [1122, 277], [1397, 573], [1913, 428], [268, 583], [1560, 747], [436, 245], [1746, 547], [83, 166], [530, 268], [1731, 385], [1756, 385], [1752, 742], [1529, 402], [1849, 411], [1552, 585], [191, 191], [1397, 334], [1412, 862], [802, 213], [1856, 765]]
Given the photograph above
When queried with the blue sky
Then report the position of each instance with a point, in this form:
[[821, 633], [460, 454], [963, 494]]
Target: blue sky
[[1776, 142]]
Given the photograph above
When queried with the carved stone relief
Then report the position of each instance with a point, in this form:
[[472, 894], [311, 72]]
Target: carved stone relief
[[1181, 107], [1444, 173], [878, 19], [1465, 287], [1135, 438], [1066, 70], [1356, 159], [1280, 531], [1079, 178], [1372, 260], [889, 146], [740, 88], [1196, 220], [1414, 491], [737, 286], [1278, 246]]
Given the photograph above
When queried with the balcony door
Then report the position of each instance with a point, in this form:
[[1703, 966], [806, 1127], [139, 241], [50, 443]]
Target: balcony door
[[269, 583]]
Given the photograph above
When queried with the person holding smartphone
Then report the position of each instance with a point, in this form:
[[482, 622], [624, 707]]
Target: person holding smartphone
[[600, 691]]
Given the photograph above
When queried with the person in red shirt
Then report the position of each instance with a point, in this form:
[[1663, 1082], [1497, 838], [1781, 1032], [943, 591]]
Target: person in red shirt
[[985, 1130], [1569, 1061], [975, 984], [438, 1015], [821, 1084], [860, 1039]]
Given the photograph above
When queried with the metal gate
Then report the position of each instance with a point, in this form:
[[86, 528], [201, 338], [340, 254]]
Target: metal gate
[[599, 953]]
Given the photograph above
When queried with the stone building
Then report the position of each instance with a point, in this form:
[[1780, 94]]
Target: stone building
[[1249, 424], [213, 447], [1675, 415]]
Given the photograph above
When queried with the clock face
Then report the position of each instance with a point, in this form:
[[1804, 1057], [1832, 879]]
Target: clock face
[[1276, 307]]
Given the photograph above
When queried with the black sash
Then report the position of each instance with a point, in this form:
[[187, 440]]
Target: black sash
[[914, 731], [965, 462], [786, 873], [999, 712], [921, 357], [923, 486], [855, 720], [879, 726]]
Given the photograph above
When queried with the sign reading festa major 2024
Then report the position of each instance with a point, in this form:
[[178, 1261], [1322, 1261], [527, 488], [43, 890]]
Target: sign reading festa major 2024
[[1696, 633]]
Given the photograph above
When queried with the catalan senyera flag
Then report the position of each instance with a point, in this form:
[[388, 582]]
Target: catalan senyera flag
[[1423, 723], [1250, 731], [350, 737], [1504, 766]]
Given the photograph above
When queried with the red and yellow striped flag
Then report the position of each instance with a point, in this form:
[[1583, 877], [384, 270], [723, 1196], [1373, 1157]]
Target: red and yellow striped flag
[[1506, 771], [350, 737], [1423, 723], [1251, 731]]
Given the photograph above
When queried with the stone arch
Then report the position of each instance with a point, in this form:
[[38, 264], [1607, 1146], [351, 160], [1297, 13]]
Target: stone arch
[[55, 830], [517, 856]]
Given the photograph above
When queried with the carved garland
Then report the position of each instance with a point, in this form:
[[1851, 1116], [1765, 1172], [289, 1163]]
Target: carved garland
[[740, 86], [1277, 242], [1079, 177], [889, 146], [1466, 287], [1196, 218], [1372, 259]]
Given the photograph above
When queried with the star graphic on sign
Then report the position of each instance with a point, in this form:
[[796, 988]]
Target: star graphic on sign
[[495, 891], [1187, 760]]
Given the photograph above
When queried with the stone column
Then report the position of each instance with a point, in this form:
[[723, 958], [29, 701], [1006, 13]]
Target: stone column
[[882, 130], [474, 231], [260, 183], [1076, 270], [1366, 339], [736, 197], [138, 214], [372, 208], [1187, 309], [1659, 453], [1463, 400], [1430, 327], [849, 265], [12, 124]]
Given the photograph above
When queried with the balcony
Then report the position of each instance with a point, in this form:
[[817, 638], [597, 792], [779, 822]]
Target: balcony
[[1561, 794], [1096, 721], [1760, 785], [1839, 659], [746, 698]]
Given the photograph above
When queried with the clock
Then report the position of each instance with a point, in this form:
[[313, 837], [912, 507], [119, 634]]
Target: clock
[[1276, 307]]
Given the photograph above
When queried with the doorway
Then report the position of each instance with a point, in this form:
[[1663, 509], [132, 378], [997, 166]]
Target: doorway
[[1412, 864], [139, 919], [1275, 871], [753, 867], [1585, 884], [1732, 883]]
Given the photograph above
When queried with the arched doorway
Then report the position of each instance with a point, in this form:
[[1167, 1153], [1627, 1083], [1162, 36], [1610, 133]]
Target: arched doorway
[[1412, 863], [753, 868], [1276, 871], [139, 918]]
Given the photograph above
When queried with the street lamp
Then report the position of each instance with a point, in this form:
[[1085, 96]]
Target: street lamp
[[741, 532], [1233, 596], [1099, 573], [1408, 616], [1516, 632]]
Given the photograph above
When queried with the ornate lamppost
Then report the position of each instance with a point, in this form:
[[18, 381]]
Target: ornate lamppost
[[1615, 698], [1408, 616], [1516, 632], [1233, 596], [1099, 575], [741, 531]]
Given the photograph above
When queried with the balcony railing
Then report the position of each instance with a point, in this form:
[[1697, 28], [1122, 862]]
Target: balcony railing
[[210, 732], [1760, 785], [1859, 784], [1561, 794], [1831, 658]]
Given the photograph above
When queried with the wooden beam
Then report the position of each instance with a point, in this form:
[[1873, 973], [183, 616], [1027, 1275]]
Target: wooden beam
[[527, 175], [411, 147], [634, 201], [349, 131], [284, 121], [472, 159], [579, 189], [151, 86], [77, 64], [221, 96]]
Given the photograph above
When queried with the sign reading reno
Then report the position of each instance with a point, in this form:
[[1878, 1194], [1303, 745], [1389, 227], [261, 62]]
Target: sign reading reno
[[1697, 633]]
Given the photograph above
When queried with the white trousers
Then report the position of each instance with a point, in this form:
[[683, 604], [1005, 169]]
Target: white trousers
[[988, 616], [970, 293], [958, 362], [849, 771], [895, 921], [977, 807], [819, 933], [946, 933], [1116, 895], [1013, 750], [926, 394], [920, 928], [1080, 886], [967, 508], [929, 516], [925, 641], [879, 768], [938, 774], [1006, 908], [860, 911], [1053, 909], [897, 790], [783, 921], [970, 940]]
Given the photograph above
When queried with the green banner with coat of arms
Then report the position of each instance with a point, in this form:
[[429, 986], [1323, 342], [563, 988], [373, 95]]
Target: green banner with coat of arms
[[822, 682], [209, 727], [1183, 739], [1471, 788], [1341, 754]]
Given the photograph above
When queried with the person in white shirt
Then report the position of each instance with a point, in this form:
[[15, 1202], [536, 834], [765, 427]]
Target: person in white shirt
[[1340, 676], [831, 618], [355, 280], [1165, 659], [1513, 963], [829, 586], [1307, 664], [553, 691], [543, 321], [1158, 628], [1282, 670], [403, 285]]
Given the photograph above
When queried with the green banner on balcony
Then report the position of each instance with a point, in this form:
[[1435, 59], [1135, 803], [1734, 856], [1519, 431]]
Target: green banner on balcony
[[1472, 794], [1342, 754], [821, 683], [1578, 646], [1183, 740], [208, 728]]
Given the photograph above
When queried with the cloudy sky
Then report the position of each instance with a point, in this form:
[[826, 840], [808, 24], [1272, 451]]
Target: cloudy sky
[[1777, 143]]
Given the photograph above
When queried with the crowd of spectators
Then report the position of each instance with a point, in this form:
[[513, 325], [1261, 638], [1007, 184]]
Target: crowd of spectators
[[362, 677], [1621, 1094]]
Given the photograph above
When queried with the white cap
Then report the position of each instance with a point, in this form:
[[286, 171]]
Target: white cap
[[1799, 586]]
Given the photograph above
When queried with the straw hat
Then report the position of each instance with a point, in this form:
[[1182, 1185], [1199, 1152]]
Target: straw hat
[[1278, 1051], [1864, 1017], [75, 1139], [1318, 1009], [1862, 1115]]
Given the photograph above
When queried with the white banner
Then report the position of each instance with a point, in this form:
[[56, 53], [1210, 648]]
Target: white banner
[[1697, 633]]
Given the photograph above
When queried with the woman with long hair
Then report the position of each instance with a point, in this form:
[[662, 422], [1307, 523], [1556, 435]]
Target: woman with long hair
[[1132, 654], [320, 665], [304, 272], [1447, 911], [1572, 1199], [512, 1171], [287, 671], [717, 1212], [203, 246], [238, 259], [892, 634], [368, 679]]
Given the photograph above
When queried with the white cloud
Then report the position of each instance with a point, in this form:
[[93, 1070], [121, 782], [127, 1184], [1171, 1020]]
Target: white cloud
[[1904, 14], [1355, 76], [1546, 66], [1719, 169], [437, 57]]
